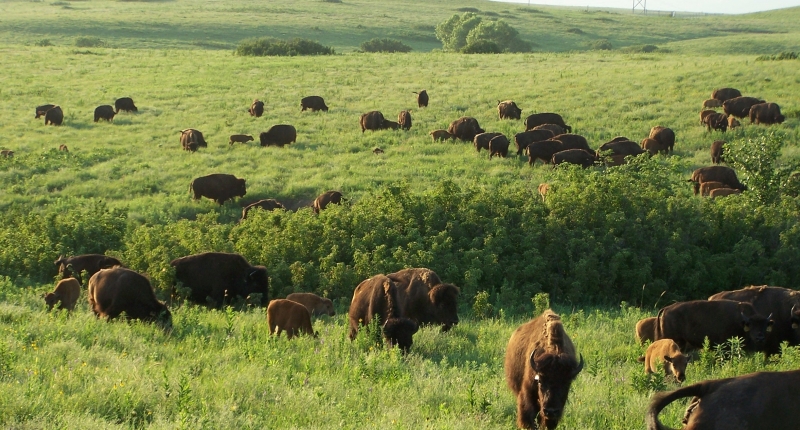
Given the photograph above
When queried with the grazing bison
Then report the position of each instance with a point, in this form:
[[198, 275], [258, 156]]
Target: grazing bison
[[645, 330], [192, 139], [66, 292], [707, 187], [555, 129], [465, 128], [441, 135], [508, 110], [664, 135], [314, 103], [723, 174], [712, 103], [323, 200], [580, 157], [117, 290], [766, 113], [425, 299], [371, 121], [481, 141], [256, 108], [291, 317], [543, 150], [665, 351], [54, 116], [740, 106], [653, 146], [704, 114], [404, 119], [717, 148], [689, 323], [124, 104], [7, 153], [546, 118], [105, 112], [91, 263], [278, 135], [621, 147], [723, 94], [63, 147], [213, 276], [758, 401], [540, 365], [239, 138], [377, 151], [315, 304], [390, 125], [573, 141], [722, 192], [376, 297], [733, 122], [266, 204], [41, 110], [219, 187], [543, 189], [522, 140], [717, 121], [498, 146], [422, 98]]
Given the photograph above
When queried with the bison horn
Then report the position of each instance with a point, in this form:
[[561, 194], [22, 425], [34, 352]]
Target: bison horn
[[250, 275], [579, 368], [532, 359], [794, 309]]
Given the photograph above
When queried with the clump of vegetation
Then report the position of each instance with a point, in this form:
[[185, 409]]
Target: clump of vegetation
[[43, 42], [599, 45], [384, 45], [270, 46], [481, 307], [642, 49], [468, 33], [575, 30], [778, 57], [482, 46], [89, 42]]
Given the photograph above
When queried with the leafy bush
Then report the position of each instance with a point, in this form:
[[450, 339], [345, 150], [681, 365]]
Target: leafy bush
[[599, 45], [384, 45], [482, 47], [43, 42], [642, 49], [269, 46], [778, 57], [481, 307], [470, 34], [500, 33], [89, 42]]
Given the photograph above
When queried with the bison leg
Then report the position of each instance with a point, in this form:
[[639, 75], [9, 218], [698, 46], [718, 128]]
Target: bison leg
[[527, 409]]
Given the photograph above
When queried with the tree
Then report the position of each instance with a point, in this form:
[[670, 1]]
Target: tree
[[468, 33], [453, 32]]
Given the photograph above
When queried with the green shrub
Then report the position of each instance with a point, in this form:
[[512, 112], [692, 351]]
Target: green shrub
[[778, 57], [269, 46], [43, 42], [481, 307], [599, 45], [468, 33], [641, 49], [384, 45], [89, 42], [482, 47]]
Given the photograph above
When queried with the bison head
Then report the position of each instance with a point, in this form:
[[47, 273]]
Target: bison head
[[553, 376], [256, 281], [51, 299], [676, 366], [162, 317], [795, 321], [758, 328], [400, 332], [324, 307], [444, 298], [241, 188]]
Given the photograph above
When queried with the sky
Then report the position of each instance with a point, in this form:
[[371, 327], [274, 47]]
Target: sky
[[707, 6]]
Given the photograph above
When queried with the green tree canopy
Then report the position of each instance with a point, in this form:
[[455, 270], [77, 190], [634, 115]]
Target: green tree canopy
[[470, 34]]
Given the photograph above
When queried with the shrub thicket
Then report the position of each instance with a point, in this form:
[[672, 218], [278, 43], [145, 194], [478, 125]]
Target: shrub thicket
[[89, 42], [384, 45], [270, 46], [469, 33], [778, 57]]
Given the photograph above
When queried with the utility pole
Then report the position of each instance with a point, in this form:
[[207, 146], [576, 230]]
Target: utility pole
[[638, 3]]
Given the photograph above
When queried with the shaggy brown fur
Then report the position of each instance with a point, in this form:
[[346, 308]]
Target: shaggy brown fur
[[323, 200], [508, 110], [91, 263], [481, 141], [546, 118], [105, 112], [723, 94], [192, 139], [117, 290], [404, 119], [498, 146], [717, 148], [125, 104], [278, 135], [645, 330], [266, 204], [723, 174], [288, 316], [314, 103], [556, 129], [663, 135], [212, 277], [522, 140], [665, 351], [54, 116], [712, 103], [422, 297], [422, 98], [465, 128], [256, 108], [315, 304], [707, 187], [372, 120], [653, 146], [441, 135], [722, 192], [377, 297], [740, 106], [66, 292], [574, 156], [766, 113], [219, 187]]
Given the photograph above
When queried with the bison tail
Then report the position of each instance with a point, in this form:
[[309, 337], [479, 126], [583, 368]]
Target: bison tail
[[661, 400]]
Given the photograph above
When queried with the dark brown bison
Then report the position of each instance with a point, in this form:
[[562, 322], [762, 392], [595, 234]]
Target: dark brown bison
[[278, 135], [573, 141], [723, 174], [717, 148], [219, 187], [6, 153], [404, 119], [645, 330], [465, 128], [71, 267], [653, 146], [546, 118], [481, 141], [665, 351], [707, 187], [63, 147], [498, 146], [712, 103], [508, 110], [323, 200], [723, 192], [54, 116], [105, 112], [124, 104], [66, 292], [117, 290], [266, 204], [766, 113], [580, 157], [556, 129], [390, 125], [689, 323], [315, 304], [377, 151], [314, 103], [664, 135], [704, 114], [212, 277], [376, 297], [41, 110], [423, 297], [422, 98], [371, 121], [256, 108], [288, 316], [441, 135], [723, 94], [758, 401], [782, 303], [192, 139], [239, 138], [621, 147], [733, 122], [522, 140], [540, 365], [740, 106], [542, 150], [716, 121]]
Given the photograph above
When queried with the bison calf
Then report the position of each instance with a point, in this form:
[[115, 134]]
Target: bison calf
[[66, 292], [323, 200], [441, 135], [6, 153], [665, 351], [481, 141], [722, 192], [239, 138], [645, 330], [288, 316], [315, 304], [712, 103], [707, 187]]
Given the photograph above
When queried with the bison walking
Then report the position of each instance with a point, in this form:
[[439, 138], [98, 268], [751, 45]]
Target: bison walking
[[314, 103], [219, 187], [278, 135], [91, 263], [723, 94], [498, 146], [538, 119], [117, 290], [376, 297], [441, 135], [372, 120], [213, 276], [740, 106], [105, 112], [124, 104], [665, 351], [508, 110], [522, 140], [323, 200], [766, 113], [66, 292], [465, 128]]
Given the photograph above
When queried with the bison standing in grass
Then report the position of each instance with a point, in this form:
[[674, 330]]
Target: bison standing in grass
[[716, 121], [723, 94], [314, 103], [723, 174], [376, 297], [712, 103], [71, 267], [653, 146], [766, 113], [239, 138], [266, 204], [740, 106], [315, 304], [219, 187], [441, 135], [41, 110], [105, 112], [422, 98], [66, 293], [538, 119], [508, 110], [665, 351], [717, 148], [404, 119], [540, 365], [543, 150], [211, 277], [707, 187], [423, 297], [291, 317], [481, 141], [663, 135], [580, 157], [192, 139], [372, 120], [555, 129], [327, 198], [522, 140], [278, 135], [54, 116], [573, 141], [117, 290], [646, 330], [498, 146], [125, 104], [723, 192], [256, 108], [465, 128]]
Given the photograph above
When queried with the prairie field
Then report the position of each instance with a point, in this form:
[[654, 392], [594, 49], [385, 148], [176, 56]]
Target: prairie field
[[607, 246]]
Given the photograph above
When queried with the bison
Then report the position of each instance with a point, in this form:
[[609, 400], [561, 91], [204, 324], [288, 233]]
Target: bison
[[555, 129], [707, 187], [6, 153], [441, 135], [124, 104], [465, 128], [315, 304], [219, 187], [573, 141], [740, 106], [665, 351], [580, 157], [664, 135], [213, 276], [733, 122], [266, 204], [66, 292], [105, 112], [543, 150], [390, 125], [372, 120], [239, 138], [423, 297], [723, 94], [717, 148], [54, 116], [653, 146], [522, 140], [117, 290], [376, 297], [63, 147], [314, 103], [256, 108], [71, 267], [546, 118], [758, 401], [712, 103], [508, 110], [278, 135], [422, 98], [41, 110], [704, 114], [723, 174], [481, 141], [291, 317], [766, 113], [323, 200], [543, 189], [645, 330], [717, 121], [192, 139], [722, 192], [377, 151], [498, 146], [540, 365], [622, 147], [404, 119]]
